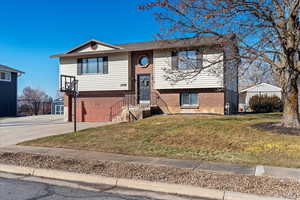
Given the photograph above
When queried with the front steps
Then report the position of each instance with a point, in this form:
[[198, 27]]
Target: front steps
[[133, 113]]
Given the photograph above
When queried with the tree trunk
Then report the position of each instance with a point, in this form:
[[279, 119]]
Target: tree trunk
[[290, 101]]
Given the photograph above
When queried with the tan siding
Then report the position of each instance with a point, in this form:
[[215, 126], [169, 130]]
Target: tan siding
[[88, 48], [206, 79], [117, 74]]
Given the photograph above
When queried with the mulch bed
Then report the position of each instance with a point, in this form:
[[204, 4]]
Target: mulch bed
[[237, 183], [276, 128]]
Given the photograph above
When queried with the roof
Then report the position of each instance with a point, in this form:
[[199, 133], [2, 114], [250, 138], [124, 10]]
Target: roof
[[10, 69], [262, 87], [151, 45], [58, 100]]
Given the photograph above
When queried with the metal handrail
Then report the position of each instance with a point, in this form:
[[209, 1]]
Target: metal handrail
[[131, 100]]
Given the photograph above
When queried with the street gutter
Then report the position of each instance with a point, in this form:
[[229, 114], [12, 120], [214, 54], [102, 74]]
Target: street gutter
[[177, 189]]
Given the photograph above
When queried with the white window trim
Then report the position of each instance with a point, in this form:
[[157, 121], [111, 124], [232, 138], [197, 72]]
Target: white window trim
[[187, 105], [9, 76], [98, 66]]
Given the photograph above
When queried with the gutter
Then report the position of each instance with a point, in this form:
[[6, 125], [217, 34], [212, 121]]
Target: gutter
[[176, 189]]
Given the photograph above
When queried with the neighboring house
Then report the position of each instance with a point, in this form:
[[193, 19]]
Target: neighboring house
[[135, 73], [8, 88], [58, 106], [260, 89]]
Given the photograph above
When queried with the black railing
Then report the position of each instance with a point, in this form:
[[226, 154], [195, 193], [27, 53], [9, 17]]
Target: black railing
[[116, 108]]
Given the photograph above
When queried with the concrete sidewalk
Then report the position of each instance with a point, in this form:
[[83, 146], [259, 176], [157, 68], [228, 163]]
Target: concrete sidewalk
[[277, 172]]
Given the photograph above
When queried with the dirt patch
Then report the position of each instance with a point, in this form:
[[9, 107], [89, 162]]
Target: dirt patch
[[275, 127], [237, 183]]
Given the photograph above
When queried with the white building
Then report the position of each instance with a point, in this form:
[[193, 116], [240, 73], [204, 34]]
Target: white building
[[260, 89]]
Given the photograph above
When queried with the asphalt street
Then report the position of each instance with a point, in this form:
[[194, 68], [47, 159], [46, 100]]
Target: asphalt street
[[18, 187]]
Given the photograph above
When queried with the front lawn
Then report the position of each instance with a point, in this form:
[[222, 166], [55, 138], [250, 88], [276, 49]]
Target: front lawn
[[200, 137]]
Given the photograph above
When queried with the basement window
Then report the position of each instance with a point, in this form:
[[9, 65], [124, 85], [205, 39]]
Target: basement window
[[189, 99]]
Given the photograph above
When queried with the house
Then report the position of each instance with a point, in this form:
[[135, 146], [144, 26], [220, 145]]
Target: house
[[111, 76], [57, 107], [260, 89], [8, 88]]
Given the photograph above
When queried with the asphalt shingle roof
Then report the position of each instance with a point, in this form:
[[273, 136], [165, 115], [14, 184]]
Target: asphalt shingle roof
[[156, 44], [6, 68]]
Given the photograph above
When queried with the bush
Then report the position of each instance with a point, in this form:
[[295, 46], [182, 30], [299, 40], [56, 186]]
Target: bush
[[264, 103]]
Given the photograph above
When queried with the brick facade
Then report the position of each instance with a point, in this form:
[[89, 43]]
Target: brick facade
[[210, 101], [137, 69]]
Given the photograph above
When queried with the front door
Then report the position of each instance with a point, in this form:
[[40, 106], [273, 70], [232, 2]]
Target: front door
[[144, 88]]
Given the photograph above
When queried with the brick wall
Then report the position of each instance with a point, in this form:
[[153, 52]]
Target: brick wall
[[95, 106], [210, 101], [137, 69]]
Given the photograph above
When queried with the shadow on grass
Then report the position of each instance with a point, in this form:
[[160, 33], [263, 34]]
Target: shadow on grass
[[275, 127], [236, 119], [250, 117]]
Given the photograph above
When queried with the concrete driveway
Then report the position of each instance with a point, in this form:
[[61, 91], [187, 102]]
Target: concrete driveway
[[19, 129]]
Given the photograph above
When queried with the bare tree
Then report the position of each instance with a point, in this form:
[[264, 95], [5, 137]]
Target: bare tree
[[59, 94], [267, 32], [258, 73], [34, 98]]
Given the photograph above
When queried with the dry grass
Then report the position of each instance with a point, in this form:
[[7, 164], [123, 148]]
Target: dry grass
[[199, 137]]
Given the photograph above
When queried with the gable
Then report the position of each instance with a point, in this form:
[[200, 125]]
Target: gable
[[263, 87], [92, 45], [90, 48]]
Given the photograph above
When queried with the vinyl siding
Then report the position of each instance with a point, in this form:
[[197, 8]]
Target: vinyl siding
[[206, 79], [117, 74], [8, 102], [263, 87], [88, 48]]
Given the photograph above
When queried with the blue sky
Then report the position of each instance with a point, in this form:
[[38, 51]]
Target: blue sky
[[32, 30]]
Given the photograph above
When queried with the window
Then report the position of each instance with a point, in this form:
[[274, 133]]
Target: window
[[189, 99], [5, 76], [93, 65], [59, 109], [187, 59], [144, 61]]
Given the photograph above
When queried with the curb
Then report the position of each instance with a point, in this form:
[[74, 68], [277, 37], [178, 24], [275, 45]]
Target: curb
[[171, 188], [135, 184], [257, 170]]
